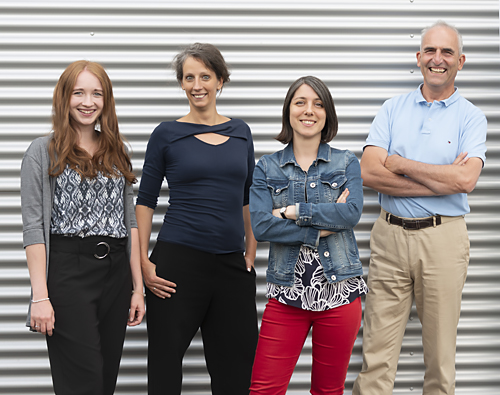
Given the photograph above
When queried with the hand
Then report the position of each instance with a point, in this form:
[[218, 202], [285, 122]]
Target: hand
[[137, 309], [325, 233], [249, 262], [392, 163], [42, 317], [159, 286], [461, 159], [343, 196]]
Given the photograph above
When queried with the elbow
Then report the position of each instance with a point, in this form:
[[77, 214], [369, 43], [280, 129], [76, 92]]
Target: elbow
[[466, 186], [368, 179]]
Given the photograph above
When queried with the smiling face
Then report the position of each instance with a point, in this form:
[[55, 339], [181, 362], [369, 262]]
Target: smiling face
[[200, 83], [86, 101], [439, 62], [307, 114]]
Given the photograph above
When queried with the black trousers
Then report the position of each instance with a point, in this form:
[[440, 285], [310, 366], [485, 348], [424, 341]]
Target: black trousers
[[91, 300], [215, 293]]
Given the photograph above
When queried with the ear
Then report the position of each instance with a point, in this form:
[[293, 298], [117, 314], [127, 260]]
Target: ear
[[461, 61], [418, 58], [220, 84]]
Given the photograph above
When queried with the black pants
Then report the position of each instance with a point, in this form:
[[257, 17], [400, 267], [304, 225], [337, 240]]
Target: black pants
[[91, 300], [215, 293]]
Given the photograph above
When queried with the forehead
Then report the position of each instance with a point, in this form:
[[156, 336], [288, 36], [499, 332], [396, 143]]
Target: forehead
[[193, 65], [440, 37], [86, 78], [306, 91]]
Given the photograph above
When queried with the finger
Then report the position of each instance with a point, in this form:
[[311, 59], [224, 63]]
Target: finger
[[459, 158]]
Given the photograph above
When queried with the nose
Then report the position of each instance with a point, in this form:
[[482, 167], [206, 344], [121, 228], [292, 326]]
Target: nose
[[437, 57], [197, 84], [87, 100], [309, 109]]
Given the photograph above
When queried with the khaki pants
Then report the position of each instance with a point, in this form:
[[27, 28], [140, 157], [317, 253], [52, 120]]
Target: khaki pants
[[429, 265]]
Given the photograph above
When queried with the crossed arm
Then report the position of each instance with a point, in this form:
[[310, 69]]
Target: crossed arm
[[386, 174]]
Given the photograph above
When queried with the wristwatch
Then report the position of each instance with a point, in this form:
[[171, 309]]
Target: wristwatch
[[282, 212]]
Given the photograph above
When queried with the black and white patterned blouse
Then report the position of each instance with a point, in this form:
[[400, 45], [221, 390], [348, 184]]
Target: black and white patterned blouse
[[311, 290], [88, 207]]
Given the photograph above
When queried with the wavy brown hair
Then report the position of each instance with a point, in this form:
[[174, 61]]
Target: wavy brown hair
[[111, 158]]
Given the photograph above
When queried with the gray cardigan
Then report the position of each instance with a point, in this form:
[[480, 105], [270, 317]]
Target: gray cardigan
[[37, 195]]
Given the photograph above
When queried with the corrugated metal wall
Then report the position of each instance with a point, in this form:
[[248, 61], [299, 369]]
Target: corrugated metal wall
[[363, 50]]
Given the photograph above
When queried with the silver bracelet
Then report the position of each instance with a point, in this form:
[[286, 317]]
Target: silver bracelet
[[39, 300], [138, 292]]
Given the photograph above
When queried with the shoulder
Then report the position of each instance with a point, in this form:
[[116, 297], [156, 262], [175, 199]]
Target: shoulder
[[468, 109], [39, 146], [240, 128]]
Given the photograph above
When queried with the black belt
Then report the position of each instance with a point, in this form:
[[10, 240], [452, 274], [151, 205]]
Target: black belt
[[413, 223]]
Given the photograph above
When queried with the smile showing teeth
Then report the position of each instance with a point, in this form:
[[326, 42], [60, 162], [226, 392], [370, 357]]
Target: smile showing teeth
[[86, 111], [308, 123], [437, 70], [199, 96]]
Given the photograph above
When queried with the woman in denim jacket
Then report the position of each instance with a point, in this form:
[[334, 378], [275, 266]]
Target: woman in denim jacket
[[305, 200]]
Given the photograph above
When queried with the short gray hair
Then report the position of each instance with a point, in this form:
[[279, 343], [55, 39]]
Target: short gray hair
[[442, 23]]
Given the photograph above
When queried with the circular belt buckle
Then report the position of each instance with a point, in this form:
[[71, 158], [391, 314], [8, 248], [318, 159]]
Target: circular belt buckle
[[107, 252]]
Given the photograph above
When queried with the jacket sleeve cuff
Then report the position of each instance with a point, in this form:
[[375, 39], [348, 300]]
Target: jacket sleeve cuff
[[312, 237], [304, 214]]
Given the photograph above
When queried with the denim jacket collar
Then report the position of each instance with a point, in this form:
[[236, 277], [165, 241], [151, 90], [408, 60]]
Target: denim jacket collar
[[288, 156]]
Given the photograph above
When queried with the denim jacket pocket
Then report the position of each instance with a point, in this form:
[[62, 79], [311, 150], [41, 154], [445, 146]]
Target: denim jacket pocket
[[332, 185], [279, 192]]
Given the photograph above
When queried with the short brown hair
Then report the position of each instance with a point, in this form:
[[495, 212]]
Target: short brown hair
[[331, 125], [206, 53]]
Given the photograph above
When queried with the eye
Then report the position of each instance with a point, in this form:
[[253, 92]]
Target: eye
[[206, 77], [98, 94], [299, 103], [77, 93], [188, 77], [319, 104]]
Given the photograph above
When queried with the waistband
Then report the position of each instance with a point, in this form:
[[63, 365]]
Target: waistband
[[98, 246], [417, 223]]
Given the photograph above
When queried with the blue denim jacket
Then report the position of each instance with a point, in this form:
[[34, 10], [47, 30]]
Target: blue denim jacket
[[279, 181]]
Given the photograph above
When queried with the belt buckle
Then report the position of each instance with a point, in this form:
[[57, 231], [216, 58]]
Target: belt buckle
[[107, 252]]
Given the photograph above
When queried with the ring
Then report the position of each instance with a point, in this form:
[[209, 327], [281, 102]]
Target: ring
[[37, 326], [154, 288]]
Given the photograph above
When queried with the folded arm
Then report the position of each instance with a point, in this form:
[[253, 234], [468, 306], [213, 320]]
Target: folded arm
[[459, 177], [376, 176]]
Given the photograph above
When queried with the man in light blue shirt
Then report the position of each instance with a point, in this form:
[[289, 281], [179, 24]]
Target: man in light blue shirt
[[424, 153]]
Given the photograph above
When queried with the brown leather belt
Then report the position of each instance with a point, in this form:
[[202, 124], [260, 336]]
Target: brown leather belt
[[413, 224]]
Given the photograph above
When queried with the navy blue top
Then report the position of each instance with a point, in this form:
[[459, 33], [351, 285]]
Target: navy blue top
[[209, 184]]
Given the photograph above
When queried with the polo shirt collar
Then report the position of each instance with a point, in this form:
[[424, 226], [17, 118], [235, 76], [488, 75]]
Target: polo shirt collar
[[447, 102]]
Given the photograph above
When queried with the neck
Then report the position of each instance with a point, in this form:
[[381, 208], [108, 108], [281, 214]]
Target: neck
[[87, 140], [205, 117], [305, 151], [431, 94]]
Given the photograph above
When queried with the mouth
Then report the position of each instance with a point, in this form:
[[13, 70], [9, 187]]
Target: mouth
[[86, 112], [199, 96], [307, 122], [437, 70]]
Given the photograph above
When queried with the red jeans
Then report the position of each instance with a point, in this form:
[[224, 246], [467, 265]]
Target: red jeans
[[282, 335]]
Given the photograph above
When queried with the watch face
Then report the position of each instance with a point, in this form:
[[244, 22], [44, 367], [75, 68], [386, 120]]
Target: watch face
[[283, 209]]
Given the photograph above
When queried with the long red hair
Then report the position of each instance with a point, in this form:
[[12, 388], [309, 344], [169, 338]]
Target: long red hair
[[111, 158]]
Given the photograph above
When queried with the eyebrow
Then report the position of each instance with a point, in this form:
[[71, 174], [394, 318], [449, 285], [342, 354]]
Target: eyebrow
[[442, 49], [305, 98]]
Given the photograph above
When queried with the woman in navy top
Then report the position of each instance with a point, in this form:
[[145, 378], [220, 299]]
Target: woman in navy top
[[200, 273], [305, 200]]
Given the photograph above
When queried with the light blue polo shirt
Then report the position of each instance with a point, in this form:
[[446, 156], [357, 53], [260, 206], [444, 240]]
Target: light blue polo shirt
[[433, 133]]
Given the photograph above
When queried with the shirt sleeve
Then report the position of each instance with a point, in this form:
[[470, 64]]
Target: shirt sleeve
[[473, 135], [153, 170], [251, 166], [380, 133]]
